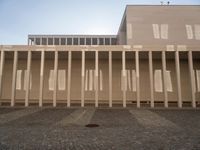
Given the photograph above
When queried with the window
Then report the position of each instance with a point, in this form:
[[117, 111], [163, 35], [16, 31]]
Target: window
[[113, 41], [37, 41], [69, 41], [193, 34], [107, 41], [101, 41], [44, 41], [160, 31], [50, 41], [88, 41], [56, 41], [94, 41], [82, 41], [75, 41], [63, 41]]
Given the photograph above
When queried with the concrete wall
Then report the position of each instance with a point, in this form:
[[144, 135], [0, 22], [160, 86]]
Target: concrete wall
[[117, 93], [174, 25]]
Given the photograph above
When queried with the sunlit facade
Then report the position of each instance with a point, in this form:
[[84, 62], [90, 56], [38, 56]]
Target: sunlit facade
[[154, 60]]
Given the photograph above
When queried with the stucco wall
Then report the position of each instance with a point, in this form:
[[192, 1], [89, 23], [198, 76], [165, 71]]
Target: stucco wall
[[141, 19], [103, 66]]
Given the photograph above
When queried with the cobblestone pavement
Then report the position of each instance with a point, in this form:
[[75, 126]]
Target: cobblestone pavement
[[64, 128]]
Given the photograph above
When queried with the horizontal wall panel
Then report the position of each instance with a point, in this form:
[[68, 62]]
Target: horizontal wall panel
[[123, 79]]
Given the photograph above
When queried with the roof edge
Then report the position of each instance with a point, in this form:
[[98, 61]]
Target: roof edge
[[162, 5]]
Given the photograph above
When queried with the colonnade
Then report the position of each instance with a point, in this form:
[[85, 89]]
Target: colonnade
[[110, 75]]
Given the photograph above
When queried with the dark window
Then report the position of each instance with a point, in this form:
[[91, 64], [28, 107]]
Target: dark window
[[37, 42], [101, 41], [63, 41], [75, 41], [69, 41], [94, 41], [82, 41], [44, 41], [113, 41], [56, 41], [88, 41], [50, 41], [107, 41]]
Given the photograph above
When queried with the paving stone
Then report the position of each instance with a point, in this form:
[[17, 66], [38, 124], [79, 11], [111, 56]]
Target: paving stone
[[118, 129], [4, 110], [150, 119], [13, 115], [78, 117]]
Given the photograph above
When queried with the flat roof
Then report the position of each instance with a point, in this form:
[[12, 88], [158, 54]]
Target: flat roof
[[106, 48], [72, 35]]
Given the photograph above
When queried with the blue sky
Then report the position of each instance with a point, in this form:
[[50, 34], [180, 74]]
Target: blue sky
[[18, 18]]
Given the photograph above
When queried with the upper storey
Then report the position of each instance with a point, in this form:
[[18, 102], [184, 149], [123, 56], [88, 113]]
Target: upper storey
[[152, 25], [72, 40], [160, 25]]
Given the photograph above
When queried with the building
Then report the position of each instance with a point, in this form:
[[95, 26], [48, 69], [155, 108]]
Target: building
[[153, 60]]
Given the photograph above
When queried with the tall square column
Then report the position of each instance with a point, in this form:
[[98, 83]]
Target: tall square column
[[69, 78], [151, 78], [83, 79], [41, 77], [192, 80], [96, 78], [178, 79], [28, 79], [164, 78], [55, 78], [124, 77], [137, 78], [13, 91], [110, 78], [1, 69]]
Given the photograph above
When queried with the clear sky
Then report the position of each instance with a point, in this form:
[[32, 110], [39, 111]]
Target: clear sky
[[18, 18]]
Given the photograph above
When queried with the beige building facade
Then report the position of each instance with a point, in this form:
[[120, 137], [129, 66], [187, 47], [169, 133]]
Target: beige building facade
[[154, 60]]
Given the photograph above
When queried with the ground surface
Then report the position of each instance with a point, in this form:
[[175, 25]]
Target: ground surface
[[135, 129]]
